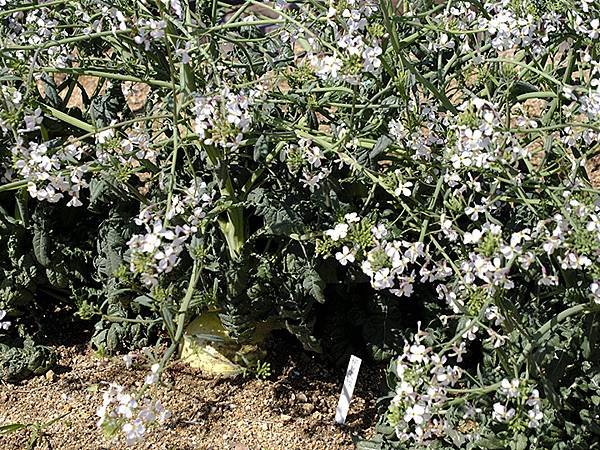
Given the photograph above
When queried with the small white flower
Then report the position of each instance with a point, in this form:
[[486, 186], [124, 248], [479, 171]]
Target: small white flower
[[510, 388], [535, 416], [379, 231], [134, 432], [4, 325], [417, 353], [340, 231], [128, 360], [152, 377], [415, 413], [472, 237], [352, 218], [404, 189], [104, 136], [501, 413], [345, 256]]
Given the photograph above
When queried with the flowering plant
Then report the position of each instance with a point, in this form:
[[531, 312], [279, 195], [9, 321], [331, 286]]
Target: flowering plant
[[324, 167]]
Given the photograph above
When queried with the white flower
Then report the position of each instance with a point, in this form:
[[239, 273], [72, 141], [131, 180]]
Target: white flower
[[382, 279], [345, 256], [471, 333], [379, 231], [417, 353], [32, 121], [152, 377], [175, 7], [472, 237], [128, 360], [398, 130], [501, 413], [473, 212], [510, 388], [535, 416], [594, 288], [415, 413], [446, 226], [458, 351], [134, 432], [4, 325], [352, 218], [340, 231], [594, 29], [370, 55], [104, 136], [404, 189]]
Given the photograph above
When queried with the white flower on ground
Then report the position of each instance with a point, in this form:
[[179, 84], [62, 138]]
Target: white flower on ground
[[152, 377], [128, 360], [134, 432]]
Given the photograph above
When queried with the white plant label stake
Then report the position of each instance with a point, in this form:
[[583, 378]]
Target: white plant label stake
[[351, 375]]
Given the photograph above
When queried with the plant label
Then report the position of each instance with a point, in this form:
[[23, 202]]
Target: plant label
[[344, 403]]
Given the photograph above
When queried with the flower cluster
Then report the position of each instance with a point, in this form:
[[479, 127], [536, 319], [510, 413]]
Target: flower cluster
[[223, 119], [157, 251], [358, 47], [387, 262], [51, 173], [417, 411], [519, 403], [309, 159], [124, 412], [149, 31]]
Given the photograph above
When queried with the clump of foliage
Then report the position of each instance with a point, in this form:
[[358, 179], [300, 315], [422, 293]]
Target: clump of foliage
[[344, 170]]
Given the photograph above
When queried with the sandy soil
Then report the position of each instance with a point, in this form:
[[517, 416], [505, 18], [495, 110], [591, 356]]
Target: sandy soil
[[292, 410]]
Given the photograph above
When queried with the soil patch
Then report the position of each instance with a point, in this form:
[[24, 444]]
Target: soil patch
[[292, 410]]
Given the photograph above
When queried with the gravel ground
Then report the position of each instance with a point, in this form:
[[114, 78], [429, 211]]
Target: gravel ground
[[293, 409]]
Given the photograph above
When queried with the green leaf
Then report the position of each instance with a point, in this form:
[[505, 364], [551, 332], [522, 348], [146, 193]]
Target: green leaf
[[106, 108], [12, 427], [313, 284], [521, 442], [380, 146], [279, 214], [41, 245], [68, 119], [144, 300], [261, 148], [368, 445], [50, 91]]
